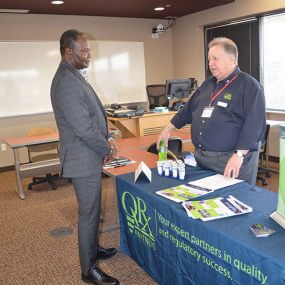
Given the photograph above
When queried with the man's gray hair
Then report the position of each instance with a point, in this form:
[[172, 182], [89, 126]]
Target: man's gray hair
[[228, 45]]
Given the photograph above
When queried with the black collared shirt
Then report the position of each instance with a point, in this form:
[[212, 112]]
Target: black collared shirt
[[238, 120]]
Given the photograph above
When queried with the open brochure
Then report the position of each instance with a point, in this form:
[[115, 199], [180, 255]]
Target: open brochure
[[197, 188], [216, 208], [117, 161], [182, 193]]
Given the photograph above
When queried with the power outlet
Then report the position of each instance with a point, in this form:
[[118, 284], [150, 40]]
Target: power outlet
[[3, 147]]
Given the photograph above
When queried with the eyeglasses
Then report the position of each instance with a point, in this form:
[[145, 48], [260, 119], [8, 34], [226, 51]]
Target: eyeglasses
[[87, 50]]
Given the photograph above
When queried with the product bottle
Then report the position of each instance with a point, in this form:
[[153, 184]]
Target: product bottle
[[162, 152]]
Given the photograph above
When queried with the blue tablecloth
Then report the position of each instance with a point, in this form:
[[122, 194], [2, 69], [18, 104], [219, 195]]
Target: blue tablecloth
[[175, 249]]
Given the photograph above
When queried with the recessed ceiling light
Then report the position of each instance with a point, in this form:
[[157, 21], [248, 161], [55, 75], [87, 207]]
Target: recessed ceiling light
[[16, 11], [159, 8], [57, 2]]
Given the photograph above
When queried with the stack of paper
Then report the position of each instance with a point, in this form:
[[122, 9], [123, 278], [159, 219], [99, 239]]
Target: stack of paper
[[117, 161]]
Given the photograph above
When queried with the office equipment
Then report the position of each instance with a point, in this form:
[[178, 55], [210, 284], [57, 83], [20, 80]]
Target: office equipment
[[26, 79], [178, 89], [156, 95], [121, 113], [43, 152], [174, 250], [139, 111]]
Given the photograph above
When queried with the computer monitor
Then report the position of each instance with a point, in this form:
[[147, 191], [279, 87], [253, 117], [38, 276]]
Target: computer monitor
[[178, 89]]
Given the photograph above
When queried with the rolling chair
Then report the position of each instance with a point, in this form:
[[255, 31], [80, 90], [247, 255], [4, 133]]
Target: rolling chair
[[42, 152], [156, 95], [193, 86], [262, 158], [173, 150]]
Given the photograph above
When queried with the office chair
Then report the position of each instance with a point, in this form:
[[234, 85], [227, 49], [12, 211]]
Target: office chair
[[156, 95], [193, 86], [173, 150], [42, 152], [262, 157]]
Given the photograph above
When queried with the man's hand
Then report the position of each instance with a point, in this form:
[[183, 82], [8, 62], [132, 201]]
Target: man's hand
[[113, 150], [164, 135], [113, 146], [233, 166]]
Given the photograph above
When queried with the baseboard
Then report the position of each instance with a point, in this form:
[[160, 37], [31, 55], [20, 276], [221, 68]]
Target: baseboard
[[7, 168]]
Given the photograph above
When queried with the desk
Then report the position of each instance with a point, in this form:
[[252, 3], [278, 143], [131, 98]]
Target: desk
[[35, 168], [144, 141], [138, 145], [174, 249], [148, 124]]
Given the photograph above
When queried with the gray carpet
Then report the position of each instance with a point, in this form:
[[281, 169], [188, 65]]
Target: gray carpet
[[39, 236]]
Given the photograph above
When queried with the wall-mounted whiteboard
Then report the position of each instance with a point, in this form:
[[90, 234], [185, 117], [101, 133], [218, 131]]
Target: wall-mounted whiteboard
[[116, 72]]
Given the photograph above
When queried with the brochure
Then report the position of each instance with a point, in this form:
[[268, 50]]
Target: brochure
[[215, 208], [117, 162], [182, 193], [259, 230]]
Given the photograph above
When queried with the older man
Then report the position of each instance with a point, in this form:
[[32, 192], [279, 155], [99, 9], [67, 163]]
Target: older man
[[227, 113], [84, 144]]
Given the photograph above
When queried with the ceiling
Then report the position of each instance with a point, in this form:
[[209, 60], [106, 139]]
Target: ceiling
[[115, 8]]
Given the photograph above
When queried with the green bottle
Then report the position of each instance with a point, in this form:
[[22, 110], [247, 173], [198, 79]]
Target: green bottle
[[162, 152]]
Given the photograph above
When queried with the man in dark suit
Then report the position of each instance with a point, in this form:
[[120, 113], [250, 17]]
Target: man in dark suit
[[84, 145]]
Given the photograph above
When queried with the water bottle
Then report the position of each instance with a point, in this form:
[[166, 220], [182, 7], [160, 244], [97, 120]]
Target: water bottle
[[162, 152]]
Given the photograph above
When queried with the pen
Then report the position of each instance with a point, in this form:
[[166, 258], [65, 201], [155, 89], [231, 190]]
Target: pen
[[199, 187]]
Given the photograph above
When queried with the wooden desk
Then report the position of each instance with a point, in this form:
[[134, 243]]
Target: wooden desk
[[133, 148], [35, 168], [148, 124], [144, 141]]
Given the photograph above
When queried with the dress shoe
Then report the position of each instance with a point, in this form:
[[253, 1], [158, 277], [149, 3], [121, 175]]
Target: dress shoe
[[98, 277], [105, 253]]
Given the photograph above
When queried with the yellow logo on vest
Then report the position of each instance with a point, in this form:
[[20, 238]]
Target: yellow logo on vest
[[228, 96]]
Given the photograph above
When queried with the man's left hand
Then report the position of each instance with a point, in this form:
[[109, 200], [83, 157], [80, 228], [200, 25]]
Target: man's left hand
[[113, 151], [233, 166], [113, 146]]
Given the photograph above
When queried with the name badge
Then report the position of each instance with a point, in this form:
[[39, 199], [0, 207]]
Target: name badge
[[207, 112], [222, 104]]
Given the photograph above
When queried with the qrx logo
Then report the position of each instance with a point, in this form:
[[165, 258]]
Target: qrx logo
[[137, 218]]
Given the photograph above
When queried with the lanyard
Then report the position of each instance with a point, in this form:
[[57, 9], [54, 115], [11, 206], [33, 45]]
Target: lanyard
[[215, 95]]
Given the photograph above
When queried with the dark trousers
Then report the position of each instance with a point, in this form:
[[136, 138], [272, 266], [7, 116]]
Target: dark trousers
[[217, 162], [88, 194]]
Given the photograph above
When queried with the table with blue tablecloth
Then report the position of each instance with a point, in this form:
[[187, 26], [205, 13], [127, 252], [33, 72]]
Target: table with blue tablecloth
[[175, 249]]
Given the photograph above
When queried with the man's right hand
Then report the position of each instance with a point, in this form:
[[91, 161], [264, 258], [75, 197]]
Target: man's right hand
[[164, 135]]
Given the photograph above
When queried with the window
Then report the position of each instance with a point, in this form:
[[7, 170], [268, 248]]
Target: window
[[261, 45], [273, 61], [245, 34]]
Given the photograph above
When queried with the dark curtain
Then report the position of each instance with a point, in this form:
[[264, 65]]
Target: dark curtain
[[246, 36]]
